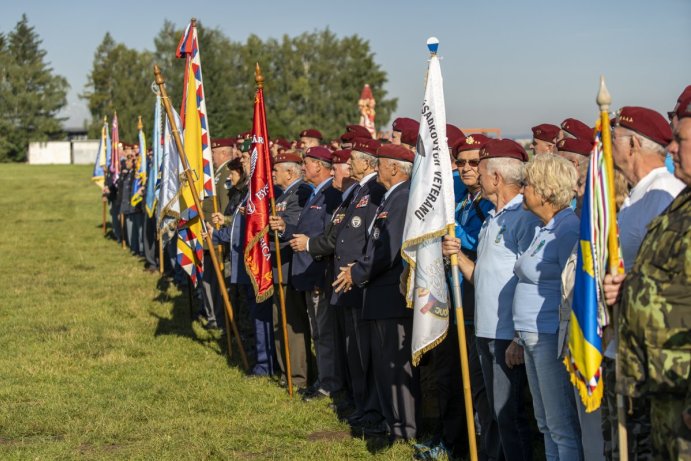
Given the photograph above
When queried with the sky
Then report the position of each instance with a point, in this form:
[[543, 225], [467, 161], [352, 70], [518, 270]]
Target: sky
[[506, 64]]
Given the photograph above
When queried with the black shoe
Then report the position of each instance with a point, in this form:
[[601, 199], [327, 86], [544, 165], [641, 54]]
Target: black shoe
[[368, 426], [309, 389], [316, 394], [211, 326]]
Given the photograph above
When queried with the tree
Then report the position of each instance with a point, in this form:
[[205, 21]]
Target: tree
[[31, 96], [312, 80], [120, 80]]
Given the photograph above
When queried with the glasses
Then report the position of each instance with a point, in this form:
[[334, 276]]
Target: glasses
[[472, 163]]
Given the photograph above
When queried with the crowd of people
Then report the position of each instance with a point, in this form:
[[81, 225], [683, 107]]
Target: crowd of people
[[340, 213]]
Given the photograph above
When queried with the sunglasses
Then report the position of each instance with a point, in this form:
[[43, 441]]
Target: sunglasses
[[473, 163]]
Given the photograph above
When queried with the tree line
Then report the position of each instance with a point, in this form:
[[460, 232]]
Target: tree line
[[312, 80]]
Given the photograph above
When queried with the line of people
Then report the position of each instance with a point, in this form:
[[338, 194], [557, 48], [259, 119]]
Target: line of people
[[340, 218]]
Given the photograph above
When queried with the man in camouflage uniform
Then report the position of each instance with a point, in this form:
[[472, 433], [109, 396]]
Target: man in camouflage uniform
[[654, 334]]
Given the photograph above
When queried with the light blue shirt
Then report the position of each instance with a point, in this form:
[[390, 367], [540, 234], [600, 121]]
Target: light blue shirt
[[538, 292], [504, 236]]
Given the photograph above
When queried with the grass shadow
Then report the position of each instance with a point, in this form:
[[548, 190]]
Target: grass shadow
[[183, 322]]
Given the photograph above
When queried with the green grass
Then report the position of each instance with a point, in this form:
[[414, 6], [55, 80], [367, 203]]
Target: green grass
[[100, 361]]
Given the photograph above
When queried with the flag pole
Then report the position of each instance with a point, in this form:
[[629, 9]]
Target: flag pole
[[160, 253], [104, 199], [463, 348], [259, 79], [604, 99], [121, 217], [190, 179]]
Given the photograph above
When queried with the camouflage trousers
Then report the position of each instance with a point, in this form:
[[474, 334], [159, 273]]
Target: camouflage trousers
[[637, 421], [671, 438]]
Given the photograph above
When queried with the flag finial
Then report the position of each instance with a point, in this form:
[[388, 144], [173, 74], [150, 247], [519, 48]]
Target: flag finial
[[603, 97], [140, 125], [258, 77], [158, 75], [433, 44], [193, 21], [105, 119]]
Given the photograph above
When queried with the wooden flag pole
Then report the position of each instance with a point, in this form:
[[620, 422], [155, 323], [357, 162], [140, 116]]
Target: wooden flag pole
[[603, 101], [103, 214], [190, 179], [463, 348], [121, 216], [259, 78], [160, 252]]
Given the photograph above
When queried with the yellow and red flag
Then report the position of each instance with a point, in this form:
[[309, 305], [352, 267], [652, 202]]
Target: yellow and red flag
[[190, 253], [259, 195]]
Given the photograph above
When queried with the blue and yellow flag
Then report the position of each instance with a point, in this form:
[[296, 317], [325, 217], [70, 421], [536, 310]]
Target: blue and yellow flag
[[154, 174], [140, 178], [588, 314], [102, 157]]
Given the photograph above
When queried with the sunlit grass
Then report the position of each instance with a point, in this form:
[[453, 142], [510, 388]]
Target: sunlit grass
[[99, 359]]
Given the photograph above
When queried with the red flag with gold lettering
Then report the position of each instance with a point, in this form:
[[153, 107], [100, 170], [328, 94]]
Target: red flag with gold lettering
[[259, 195]]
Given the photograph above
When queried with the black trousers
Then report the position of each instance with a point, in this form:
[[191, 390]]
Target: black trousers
[[396, 380]]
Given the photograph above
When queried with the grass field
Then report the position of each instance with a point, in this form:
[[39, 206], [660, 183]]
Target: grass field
[[99, 358]]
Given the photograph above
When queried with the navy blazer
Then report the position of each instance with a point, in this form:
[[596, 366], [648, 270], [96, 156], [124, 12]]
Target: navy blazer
[[289, 204], [307, 273], [351, 238], [379, 270]]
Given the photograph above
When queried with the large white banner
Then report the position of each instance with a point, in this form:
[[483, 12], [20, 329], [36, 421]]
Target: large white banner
[[430, 211]]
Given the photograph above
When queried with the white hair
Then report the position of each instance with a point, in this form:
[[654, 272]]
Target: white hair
[[405, 167], [371, 160], [293, 167], [647, 144], [510, 169]]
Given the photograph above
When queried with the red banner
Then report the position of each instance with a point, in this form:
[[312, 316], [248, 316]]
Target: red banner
[[260, 193]]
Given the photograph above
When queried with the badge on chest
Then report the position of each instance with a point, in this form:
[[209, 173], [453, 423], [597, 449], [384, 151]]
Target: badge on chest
[[363, 202], [356, 221]]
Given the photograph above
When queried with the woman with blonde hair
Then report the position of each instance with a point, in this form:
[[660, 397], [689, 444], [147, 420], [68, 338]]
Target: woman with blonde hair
[[550, 185]]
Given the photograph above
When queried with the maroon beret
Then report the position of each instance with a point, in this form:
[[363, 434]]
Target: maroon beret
[[288, 157], [577, 129], [575, 145], [360, 130], [408, 128], [645, 122], [472, 142], [453, 135], [341, 156], [367, 146], [320, 153], [348, 137], [222, 142], [546, 132], [310, 133], [396, 152], [683, 108], [503, 148], [282, 142], [686, 94]]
